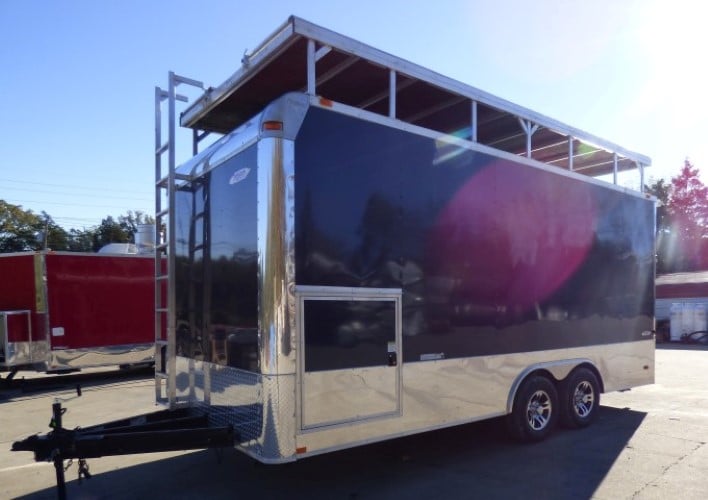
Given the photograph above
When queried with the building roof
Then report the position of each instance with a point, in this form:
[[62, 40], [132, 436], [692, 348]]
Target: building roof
[[682, 285]]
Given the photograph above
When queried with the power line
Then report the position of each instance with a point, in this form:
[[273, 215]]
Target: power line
[[4, 179], [44, 202], [84, 195], [76, 219]]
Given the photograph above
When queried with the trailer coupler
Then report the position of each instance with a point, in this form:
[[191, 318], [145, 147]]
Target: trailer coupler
[[165, 430]]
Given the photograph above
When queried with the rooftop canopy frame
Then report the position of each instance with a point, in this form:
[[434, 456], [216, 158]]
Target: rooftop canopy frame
[[301, 56]]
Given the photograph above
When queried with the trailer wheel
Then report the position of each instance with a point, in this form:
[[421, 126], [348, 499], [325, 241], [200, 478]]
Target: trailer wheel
[[535, 409], [580, 398]]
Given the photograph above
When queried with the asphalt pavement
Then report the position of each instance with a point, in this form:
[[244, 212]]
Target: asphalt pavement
[[651, 442]]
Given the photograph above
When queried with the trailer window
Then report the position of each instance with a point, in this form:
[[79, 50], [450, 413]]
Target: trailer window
[[348, 334]]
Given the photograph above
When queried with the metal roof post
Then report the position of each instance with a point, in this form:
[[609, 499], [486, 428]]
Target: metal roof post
[[570, 152], [529, 128], [614, 168], [311, 76], [392, 94], [473, 132]]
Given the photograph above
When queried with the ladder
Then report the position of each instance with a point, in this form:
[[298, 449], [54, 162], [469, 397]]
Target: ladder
[[165, 185]]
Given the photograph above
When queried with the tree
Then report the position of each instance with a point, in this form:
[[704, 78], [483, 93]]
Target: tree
[[682, 222], [55, 237], [689, 213], [132, 220], [81, 241], [22, 230], [109, 231], [121, 230]]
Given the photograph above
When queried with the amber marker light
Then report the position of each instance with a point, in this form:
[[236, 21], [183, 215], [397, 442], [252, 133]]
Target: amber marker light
[[272, 125]]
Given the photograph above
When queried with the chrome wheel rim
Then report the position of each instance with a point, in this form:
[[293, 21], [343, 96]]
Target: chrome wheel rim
[[583, 399], [538, 410]]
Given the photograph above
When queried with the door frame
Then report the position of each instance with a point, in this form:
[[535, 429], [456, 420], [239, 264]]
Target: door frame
[[333, 293]]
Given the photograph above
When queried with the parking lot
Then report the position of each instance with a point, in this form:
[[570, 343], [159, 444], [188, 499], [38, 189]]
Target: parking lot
[[651, 442]]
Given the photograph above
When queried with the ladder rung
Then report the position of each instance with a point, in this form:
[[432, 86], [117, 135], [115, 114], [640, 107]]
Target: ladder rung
[[179, 177], [162, 277], [189, 81], [197, 248], [161, 375], [162, 148], [160, 309], [161, 246], [162, 213], [161, 342]]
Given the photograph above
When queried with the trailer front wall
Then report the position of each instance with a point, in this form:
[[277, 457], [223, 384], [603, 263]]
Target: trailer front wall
[[17, 283], [22, 289], [217, 265]]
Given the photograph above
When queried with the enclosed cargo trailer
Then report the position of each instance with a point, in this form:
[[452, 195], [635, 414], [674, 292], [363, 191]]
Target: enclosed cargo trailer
[[349, 279], [374, 250], [65, 311]]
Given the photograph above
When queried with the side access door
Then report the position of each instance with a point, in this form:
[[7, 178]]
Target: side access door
[[349, 356]]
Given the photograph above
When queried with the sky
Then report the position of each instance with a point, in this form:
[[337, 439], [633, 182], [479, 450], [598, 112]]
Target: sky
[[77, 77]]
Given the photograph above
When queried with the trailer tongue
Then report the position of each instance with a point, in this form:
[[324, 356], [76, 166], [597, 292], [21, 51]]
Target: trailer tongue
[[165, 430]]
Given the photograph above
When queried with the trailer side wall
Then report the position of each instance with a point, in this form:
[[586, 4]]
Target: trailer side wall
[[493, 256], [100, 301]]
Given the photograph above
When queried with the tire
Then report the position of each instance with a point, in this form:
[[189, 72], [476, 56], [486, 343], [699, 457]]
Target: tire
[[535, 410], [580, 398]]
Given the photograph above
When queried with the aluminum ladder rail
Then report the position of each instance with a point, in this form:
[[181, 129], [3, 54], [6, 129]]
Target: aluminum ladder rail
[[165, 184]]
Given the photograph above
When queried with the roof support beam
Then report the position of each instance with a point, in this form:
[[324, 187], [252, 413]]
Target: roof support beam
[[311, 76], [336, 70], [433, 109], [323, 51], [392, 93], [384, 95], [570, 152], [529, 128], [473, 125]]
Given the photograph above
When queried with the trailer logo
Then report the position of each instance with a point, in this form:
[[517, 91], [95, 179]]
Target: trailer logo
[[239, 175]]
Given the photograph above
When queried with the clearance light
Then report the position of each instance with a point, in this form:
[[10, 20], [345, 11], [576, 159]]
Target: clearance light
[[272, 125], [301, 450], [326, 102]]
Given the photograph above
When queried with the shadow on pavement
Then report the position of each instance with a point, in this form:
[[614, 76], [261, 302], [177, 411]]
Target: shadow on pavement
[[40, 384], [469, 461], [686, 346]]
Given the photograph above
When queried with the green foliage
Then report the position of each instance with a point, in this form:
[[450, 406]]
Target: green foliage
[[23, 230]]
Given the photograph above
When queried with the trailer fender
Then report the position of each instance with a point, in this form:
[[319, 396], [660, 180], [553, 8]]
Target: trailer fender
[[557, 369]]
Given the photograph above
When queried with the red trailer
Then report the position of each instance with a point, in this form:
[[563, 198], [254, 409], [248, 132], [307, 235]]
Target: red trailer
[[63, 311]]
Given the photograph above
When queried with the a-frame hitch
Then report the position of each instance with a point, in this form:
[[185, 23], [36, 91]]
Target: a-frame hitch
[[166, 430]]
